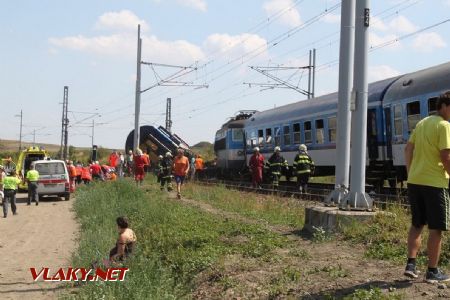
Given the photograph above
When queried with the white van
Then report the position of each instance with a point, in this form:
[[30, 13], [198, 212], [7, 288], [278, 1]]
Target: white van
[[53, 178]]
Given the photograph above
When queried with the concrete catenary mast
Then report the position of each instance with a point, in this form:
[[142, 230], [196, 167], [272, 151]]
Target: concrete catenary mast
[[346, 57], [357, 198]]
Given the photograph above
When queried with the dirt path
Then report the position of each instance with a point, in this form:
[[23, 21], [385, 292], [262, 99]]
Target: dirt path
[[321, 270], [39, 236]]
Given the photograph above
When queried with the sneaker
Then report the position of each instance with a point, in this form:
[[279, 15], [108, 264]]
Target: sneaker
[[179, 196], [411, 271], [15, 214], [436, 277]]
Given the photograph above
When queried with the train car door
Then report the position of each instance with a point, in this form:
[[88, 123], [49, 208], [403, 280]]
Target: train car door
[[387, 118], [372, 142]]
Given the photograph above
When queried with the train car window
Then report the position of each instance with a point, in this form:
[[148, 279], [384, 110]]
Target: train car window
[[319, 132], [252, 142], [286, 135], [432, 106], [308, 135], [260, 137], [277, 135], [413, 114], [269, 136], [332, 129], [398, 121], [296, 131], [237, 135]]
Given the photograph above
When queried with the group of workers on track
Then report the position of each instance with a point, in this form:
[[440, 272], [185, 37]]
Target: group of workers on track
[[303, 167]]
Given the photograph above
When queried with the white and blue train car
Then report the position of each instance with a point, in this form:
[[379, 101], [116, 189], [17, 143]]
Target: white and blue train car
[[395, 105], [313, 123], [411, 98]]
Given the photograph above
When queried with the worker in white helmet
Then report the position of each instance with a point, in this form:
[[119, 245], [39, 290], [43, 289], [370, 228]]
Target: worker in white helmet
[[277, 165], [256, 166], [303, 167]]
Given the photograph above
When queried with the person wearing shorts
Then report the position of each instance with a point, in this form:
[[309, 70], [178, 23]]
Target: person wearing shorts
[[180, 169], [427, 156]]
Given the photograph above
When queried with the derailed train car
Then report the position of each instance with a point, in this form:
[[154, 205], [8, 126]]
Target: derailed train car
[[395, 105], [157, 141]]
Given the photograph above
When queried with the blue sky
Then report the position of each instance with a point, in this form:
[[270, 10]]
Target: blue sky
[[90, 45]]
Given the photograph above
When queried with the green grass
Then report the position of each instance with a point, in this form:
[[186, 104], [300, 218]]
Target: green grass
[[385, 237], [175, 242], [273, 210]]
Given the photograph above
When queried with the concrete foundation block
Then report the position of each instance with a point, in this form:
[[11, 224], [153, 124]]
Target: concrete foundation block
[[330, 218]]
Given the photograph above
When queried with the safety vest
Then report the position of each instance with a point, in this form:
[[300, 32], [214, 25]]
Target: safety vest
[[86, 173], [303, 163], [277, 163], [72, 171], [33, 175], [199, 164], [10, 183]]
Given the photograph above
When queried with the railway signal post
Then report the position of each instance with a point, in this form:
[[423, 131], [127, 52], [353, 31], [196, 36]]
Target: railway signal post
[[357, 199], [346, 57]]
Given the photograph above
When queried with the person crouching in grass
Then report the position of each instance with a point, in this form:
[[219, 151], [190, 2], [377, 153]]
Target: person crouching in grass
[[125, 242]]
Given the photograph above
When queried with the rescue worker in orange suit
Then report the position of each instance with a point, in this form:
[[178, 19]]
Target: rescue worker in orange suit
[[72, 175], [96, 171], [79, 168], [277, 164], [146, 161], [113, 159], [86, 175], [199, 166], [304, 167], [256, 165], [139, 163]]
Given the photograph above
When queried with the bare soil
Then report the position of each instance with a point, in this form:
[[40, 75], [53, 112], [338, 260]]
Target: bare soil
[[304, 269], [39, 236]]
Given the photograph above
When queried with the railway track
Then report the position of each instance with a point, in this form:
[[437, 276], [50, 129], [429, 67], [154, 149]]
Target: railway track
[[317, 192]]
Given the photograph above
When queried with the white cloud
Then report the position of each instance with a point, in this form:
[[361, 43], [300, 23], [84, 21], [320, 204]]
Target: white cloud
[[332, 18], [195, 4], [382, 72], [122, 20], [378, 24], [235, 45], [115, 44], [401, 24], [179, 52], [290, 17], [123, 41], [428, 41], [124, 45]]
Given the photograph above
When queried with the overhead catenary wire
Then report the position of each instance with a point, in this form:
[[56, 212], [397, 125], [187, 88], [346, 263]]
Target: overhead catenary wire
[[326, 44]]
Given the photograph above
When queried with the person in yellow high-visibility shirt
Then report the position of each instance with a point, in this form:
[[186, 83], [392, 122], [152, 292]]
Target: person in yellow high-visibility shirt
[[32, 179], [10, 184]]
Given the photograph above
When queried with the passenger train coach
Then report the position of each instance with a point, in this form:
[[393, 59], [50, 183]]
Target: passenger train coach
[[395, 105]]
